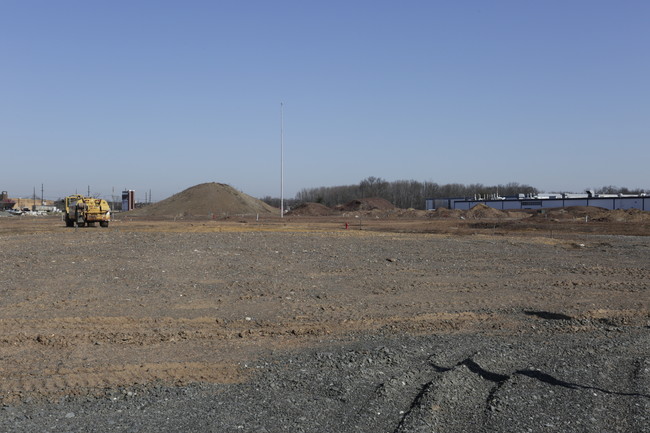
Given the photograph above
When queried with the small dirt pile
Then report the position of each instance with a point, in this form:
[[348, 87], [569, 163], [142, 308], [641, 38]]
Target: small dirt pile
[[571, 213], [483, 211], [409, 213], [203, 200], [311, 209], [592, 213], [371, 203], [627, 215], [442, 212]]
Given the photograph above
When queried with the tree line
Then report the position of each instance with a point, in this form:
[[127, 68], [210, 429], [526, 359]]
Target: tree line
[[611, 189], [407, 194], [403, 194]]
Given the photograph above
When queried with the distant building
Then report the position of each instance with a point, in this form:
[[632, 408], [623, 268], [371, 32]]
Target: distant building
[[46, 208], [524, 201], [128, 200]]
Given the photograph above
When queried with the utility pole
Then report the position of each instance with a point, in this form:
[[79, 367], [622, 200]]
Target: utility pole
[[42, 196], [281, 160], [88, 190]]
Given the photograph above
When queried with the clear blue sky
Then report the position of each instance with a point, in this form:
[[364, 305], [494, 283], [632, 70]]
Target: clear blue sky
[[163, 95]]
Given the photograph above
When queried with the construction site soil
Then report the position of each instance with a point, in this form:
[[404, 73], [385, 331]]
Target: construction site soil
[[406, 321]]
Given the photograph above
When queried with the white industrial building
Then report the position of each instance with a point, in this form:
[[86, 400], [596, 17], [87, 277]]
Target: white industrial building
[[523, 201]]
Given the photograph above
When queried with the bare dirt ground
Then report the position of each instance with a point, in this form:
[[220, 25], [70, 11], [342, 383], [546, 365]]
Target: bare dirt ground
[[299, 324]]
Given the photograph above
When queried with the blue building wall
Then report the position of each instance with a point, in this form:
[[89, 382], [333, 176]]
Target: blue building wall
[[635, 202]]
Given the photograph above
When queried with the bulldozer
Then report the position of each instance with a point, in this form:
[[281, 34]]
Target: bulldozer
[[84, 211]]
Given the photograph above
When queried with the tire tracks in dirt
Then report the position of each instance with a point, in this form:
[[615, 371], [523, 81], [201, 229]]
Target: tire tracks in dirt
[[48, 358]]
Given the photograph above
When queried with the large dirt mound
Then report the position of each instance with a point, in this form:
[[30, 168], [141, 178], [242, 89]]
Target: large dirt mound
[[205, 199], [311, 209], [371, 203]]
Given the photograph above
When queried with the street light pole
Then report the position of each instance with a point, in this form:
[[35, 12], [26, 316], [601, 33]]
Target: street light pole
[[281, 160]]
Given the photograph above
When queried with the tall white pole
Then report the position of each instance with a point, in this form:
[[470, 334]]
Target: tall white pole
[[281, 160]]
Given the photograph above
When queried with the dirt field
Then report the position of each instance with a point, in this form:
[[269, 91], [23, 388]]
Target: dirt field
[[299, 324]]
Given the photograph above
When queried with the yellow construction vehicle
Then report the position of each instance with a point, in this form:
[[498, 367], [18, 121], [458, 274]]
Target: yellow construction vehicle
[[82, 210]]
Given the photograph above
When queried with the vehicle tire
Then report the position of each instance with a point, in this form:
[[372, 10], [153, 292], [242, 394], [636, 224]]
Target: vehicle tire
[[103, 223], [69, 222]]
